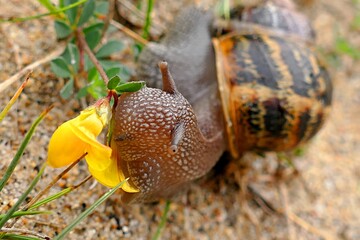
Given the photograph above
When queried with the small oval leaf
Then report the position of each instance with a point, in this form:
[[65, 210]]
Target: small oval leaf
[[93, 38], [67, 90], [109, 48], [71, 13], [130, 87], [60, 68], [113, 82], [87, 12], [72, 56], [62, 29]]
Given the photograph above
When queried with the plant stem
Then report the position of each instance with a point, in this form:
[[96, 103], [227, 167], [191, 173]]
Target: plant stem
[[162, 221], [44, 14], [92, 57], [129, 32], [23, 231], [109, 16], [147, 25]]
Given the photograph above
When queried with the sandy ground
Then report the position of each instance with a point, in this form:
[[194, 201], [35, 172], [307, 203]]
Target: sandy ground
[[322, 203]]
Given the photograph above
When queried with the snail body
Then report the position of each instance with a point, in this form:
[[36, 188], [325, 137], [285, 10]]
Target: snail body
[[252, 88]]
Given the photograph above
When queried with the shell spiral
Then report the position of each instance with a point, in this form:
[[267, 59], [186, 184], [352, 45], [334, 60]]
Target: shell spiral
[[275, 90]]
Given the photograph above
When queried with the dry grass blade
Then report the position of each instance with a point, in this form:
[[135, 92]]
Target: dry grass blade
[[14, 98], [285, 199], [129, 32]]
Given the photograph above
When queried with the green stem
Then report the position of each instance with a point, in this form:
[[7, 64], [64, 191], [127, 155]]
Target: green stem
[[162, 221], [25, 213], [21, 149], [44, 14], [147, 25]]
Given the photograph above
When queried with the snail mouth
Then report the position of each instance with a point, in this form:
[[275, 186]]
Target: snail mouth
[[121, 170]]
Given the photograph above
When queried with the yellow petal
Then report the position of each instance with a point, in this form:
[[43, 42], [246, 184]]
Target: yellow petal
[[98, 156], [65, 146], [88, 122], [110, 177]]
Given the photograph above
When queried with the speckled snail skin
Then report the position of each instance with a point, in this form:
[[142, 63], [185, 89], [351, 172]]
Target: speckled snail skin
[[258, 86]]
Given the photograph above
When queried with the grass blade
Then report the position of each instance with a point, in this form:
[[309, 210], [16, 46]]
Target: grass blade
[[44, 14], [26, 213], [51, 198], [147, 25], [14, 98], [21, 149], [162, 221], [19, 237], [87, 212], [22, 198]]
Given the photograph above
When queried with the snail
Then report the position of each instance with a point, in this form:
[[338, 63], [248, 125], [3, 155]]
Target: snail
[[259, 86]]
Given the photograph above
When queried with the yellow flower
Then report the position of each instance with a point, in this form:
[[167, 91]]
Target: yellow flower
[[78, 136]]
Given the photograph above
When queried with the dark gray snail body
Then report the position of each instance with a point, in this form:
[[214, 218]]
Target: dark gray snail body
[[245, 98]]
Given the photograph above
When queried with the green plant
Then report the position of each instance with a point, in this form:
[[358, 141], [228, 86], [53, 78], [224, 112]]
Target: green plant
[[74, 64]]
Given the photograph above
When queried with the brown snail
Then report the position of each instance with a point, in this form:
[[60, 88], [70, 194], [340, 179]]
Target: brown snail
[[258, 86]]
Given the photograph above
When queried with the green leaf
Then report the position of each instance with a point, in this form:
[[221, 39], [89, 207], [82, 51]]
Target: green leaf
[[60, 68], [87, 12], [130, 87], [71, 13], [102, 7], [109, 48], [62, 29], [88, 63], [82, 92], [71, 56], [113, 82], [106, 64], [12, 236], [87, 212], [112, 72], [94, 27], [68, 89], [96, 88], [92, 74], [93, 38], [125, 73], [113, 68]]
